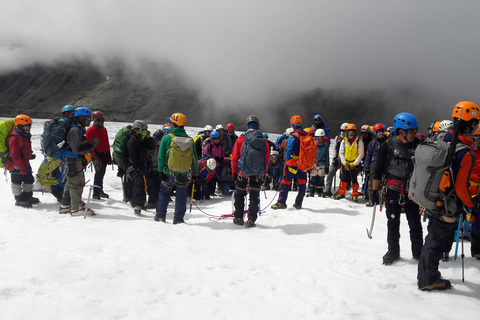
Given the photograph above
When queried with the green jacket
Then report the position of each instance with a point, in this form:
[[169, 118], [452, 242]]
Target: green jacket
[[165, 145]]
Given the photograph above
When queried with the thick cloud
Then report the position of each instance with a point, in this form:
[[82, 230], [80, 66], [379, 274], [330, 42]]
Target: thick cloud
[[245, 51]]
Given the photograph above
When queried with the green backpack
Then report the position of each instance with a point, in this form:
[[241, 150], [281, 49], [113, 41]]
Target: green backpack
[[120, 146], [45, 174], [5, 127], [180, 154]]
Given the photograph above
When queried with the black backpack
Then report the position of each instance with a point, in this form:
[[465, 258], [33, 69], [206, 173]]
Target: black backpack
[[252, 160], [54, 137]]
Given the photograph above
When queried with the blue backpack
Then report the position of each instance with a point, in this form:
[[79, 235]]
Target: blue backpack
[[54, 137], [252, 160]]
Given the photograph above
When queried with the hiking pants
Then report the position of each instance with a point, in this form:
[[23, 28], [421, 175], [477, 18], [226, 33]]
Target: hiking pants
[[138, 191], [180, 198], [241, 183], [153, 186], [288, 175], [435, 244], [475, 236], [331, 174], [412, 211], [22, 185], [100, 173], [346, 177], [72, 192]]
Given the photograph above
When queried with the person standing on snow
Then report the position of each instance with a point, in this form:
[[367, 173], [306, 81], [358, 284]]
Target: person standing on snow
[[250, 156], [291, 170], [19, 145], [394, 164], [442, 223], [317, 175], [351, 155], [371, 157], [319, 124], [101, 155], [231, 133], [78, 147], [336, 164], [177, 164]]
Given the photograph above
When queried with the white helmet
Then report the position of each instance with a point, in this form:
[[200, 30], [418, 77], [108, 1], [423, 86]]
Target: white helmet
[[289, 131], [320, 133], [445, 125], [211, 164], [344, 126], [208, 128], [274, 153], [219, 127]]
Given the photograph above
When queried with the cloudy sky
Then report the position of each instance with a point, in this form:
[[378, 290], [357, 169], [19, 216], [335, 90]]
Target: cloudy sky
[[247, 50]]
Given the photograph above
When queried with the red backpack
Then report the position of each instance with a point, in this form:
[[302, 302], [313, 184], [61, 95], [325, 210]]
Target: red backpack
[[308, 152]]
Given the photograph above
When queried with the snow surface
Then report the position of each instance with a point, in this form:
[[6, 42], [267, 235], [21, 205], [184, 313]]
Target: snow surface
[[313, 263]]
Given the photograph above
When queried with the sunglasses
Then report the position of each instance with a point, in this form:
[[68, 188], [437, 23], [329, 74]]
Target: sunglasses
[[412, 130], [350, 131], [215, 138], [381, 131]]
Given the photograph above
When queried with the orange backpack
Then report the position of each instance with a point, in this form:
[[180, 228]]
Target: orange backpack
[[308, 152]]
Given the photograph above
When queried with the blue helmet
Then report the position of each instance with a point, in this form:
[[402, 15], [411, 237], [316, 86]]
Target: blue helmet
[[317, 117], [82, 111], [265, 135], [214, 134], [67, 108], [405, 121], [166, 129]]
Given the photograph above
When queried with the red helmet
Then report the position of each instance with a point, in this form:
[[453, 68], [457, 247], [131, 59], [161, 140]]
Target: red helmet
[[96, 114], [378, 126], [230, 126]]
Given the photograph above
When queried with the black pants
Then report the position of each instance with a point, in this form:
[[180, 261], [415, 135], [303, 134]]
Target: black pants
[[240, 193], [436, 242], [138, 191], [393, 209], [153, 186], [100, 173]]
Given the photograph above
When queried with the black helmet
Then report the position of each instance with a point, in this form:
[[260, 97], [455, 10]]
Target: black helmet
[[158, 134], [253, 119]]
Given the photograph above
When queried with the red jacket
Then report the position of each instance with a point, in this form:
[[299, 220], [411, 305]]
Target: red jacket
[[20, 152], [103, 145], [237, 151]]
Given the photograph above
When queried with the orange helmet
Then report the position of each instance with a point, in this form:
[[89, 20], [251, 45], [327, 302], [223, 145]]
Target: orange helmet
[[466, 111], [296, 120], [22, 119], [310, 131], [351, 126], [179, 119], [435, 126]]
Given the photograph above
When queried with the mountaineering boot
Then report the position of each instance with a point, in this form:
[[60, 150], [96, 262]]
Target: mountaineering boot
[[326, 194], [445, 257], [33, 200], [440, 284], [355, 199], [251, 224], [298, 202], [64, 209], [279, 205], [137, 210], [319, 191], [104, 195], [158, 219], [25, 204], [390, 257], [238, 221], [338, 196], [82, 212], [369, 204], [311, 191], [151, 206], [297, 206], [178, 221]]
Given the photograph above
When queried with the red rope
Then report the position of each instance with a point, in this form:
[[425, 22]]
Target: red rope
[[230, 216]]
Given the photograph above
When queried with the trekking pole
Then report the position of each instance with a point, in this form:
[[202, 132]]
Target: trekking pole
[[365, 187], [191, 197], [457, 237], [369, 233], [88, 199]]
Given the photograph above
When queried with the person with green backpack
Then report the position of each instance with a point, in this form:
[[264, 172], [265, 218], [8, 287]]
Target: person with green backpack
[[177, 164], [18, 161]]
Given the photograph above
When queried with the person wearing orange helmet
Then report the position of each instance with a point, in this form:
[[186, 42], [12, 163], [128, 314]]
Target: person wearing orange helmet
[[291, 170], [101, 155], [171, 168], [18, 163], [442, 223], [351, 154]]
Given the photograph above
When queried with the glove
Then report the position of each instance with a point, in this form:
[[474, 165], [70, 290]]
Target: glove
[[476, 203], [235, 175], [374, 197], [120, 172], [195, 179], [327, 170], [163, 176]]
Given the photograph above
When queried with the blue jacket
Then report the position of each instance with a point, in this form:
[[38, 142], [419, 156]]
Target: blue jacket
[[371, 155]]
